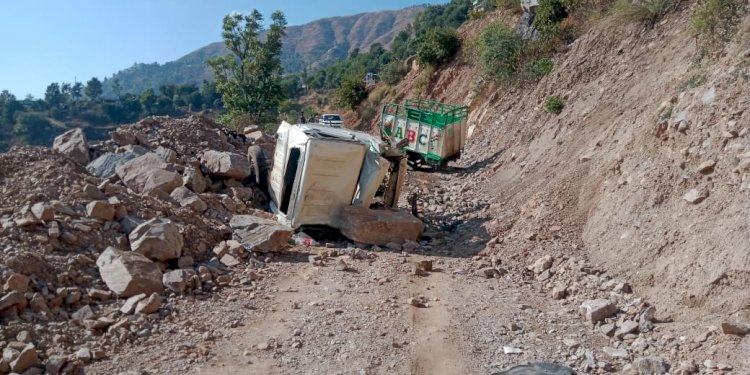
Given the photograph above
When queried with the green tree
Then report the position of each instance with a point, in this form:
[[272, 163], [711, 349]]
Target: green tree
[[437, 46], [34, 129], [116, 87], [249, 78], [93, 88], [76, 91], [393, 72], [148, 101], [9, 105], [52, 95], [351, 92]]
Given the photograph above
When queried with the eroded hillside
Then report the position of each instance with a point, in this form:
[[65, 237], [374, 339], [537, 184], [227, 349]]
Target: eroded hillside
[[644, 171]]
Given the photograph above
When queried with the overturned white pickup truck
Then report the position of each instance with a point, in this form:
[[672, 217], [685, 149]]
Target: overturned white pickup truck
[[332, 176]]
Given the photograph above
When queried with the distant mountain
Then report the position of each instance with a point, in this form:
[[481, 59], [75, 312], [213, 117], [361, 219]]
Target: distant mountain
[[313, 45]]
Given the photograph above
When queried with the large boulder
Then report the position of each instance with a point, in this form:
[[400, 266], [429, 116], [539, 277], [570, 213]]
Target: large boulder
[[194, 180], [186, 198], [158, 239], [378, 227], [123, 137], [128, 273], [226, 164], [259, 234], [100, 210], [106, 165], [73, 144], [147, 173], [177, 280]]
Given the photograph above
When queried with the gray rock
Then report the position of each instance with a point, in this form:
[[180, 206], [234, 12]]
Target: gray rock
[[11, 299], [186, 198], [615, 353], [74, 145], [129, 273], [100, 210], [177, 280], [259, 234], [84, 313], [695, 196], [193, 179], [27, 359], [149, 305], [542, 264], [147, 173], [129, 306], [129, 223], [168, 155], [597, 310], [84, 355], [43, 211], [627, 326], [158, 239], [226, 164], [106, 165], [651, 365]]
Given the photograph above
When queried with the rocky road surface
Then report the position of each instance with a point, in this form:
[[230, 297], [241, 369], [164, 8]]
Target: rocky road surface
[[441, 308]]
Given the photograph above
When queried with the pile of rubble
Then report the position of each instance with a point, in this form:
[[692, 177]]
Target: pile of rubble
[[94, 233]]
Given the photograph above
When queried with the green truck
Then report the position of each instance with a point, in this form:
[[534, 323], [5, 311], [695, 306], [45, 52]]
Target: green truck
[[431, 133]]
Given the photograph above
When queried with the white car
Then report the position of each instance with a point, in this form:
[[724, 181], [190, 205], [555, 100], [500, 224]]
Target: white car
[[332, 119]]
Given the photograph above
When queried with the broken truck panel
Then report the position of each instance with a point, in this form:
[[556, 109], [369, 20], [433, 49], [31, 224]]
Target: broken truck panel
[[317, 170]]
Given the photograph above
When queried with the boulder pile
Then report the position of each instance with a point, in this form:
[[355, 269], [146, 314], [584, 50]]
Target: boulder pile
[[96, 233]]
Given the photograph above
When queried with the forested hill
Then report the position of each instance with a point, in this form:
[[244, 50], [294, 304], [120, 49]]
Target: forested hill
[[313, 45]]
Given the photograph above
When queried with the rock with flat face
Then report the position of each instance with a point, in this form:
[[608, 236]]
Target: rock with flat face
[[147, 173], [105, 166], [74, 145], [158, 239], [100, 210], [186, 198], [378, 227], [129, 273], [194, 180], [177, 280], [259, 234], [226, 164], [596, 310]]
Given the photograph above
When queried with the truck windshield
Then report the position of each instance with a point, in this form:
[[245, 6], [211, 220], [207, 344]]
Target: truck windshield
[[331, 118]]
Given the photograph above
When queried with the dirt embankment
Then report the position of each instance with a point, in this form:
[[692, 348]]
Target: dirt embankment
[[649, 125]]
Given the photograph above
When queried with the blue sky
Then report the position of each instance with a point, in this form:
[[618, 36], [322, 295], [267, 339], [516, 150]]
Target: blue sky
[[64, 40]]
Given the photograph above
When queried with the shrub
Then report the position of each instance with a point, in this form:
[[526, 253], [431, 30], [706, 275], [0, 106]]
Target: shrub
[[717, 20], [350, 93], [34, 129], [554, 104], [500, 50], [424, 79], [437, 46], [549, 14], [648, 11], [393, 72], [510, 5], [540, 67], [368, 111]]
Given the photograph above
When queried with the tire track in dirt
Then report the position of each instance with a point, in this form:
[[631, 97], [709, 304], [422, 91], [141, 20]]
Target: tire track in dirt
[[232, 360], [437, 350]]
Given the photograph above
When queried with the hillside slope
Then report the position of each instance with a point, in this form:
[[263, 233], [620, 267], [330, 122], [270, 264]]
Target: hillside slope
[[308, 46], [606, 179]]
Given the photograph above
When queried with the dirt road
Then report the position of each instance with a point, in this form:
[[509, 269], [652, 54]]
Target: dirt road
[[367, 312]]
